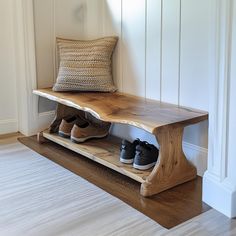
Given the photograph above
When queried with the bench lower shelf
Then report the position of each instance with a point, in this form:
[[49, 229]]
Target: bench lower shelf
[[104, 151]]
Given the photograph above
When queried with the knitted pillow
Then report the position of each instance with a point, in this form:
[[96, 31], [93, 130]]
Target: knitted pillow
[[85, 65]]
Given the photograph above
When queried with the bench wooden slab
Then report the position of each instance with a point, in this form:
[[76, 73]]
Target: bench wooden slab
[[165, 121]]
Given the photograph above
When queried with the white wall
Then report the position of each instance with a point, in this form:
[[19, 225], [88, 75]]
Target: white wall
[[8, 104], [163, 52]]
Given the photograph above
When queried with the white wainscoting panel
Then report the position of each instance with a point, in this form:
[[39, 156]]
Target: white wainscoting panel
[[8, 97], [153, 49], [232, 110], [133, 45], [44, 41], [170, 51], [195, 54], [70, 18], [94, 11], [112, 25]]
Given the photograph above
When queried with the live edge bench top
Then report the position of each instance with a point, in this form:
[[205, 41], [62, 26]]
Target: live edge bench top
[[165, 121], [127, 109]]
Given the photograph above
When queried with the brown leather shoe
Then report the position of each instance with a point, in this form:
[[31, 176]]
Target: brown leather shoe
[[67, 125], [81, 133]]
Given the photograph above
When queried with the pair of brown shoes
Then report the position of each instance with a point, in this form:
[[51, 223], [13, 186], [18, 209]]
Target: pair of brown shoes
[[79, 130]]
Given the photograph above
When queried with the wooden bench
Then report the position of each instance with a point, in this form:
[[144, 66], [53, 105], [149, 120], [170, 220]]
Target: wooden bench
[[165, 121]]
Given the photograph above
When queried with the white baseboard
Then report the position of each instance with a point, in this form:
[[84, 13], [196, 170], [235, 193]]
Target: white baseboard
[[197, 156], [8, 126], [219, 195]]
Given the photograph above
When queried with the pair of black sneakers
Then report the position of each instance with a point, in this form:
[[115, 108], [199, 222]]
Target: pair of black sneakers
[[141, 154]]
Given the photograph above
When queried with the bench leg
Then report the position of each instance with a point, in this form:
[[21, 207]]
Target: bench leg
[[172, 168], [40, 138]]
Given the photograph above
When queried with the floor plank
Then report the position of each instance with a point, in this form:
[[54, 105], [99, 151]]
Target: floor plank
[[9, 138], [169, 208]]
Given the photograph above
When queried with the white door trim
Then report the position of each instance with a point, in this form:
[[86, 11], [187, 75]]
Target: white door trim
[[218, 190], [30, 121]]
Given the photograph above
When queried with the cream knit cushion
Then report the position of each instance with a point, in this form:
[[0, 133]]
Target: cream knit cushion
[[85, 65]]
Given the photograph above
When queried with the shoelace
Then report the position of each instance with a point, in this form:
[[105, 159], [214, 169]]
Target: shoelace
[[123, 147], [139, 152], [145, 145]]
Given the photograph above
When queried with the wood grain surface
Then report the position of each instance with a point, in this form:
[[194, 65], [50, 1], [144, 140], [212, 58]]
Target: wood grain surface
[[173, 168], [105, 151], [126, 109]]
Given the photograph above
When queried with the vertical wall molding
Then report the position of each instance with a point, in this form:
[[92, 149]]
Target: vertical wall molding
[[8, 97], [30, 121], [121, 36], [180, 38], [153, 52], [218, 187], [133, 47], [170, 50], [112, 25], [26, 66], [145, 69], [161, 52], [54, 51], [219, 89]]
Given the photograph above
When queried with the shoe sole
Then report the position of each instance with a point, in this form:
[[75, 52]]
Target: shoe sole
[[81, 140], [144, 167], [64, 135], [126, 161]]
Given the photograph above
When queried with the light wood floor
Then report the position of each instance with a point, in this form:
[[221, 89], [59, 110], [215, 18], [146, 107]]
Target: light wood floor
[[39, 197]]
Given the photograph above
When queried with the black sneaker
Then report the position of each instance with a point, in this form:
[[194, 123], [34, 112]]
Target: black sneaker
[[146, 156], [127, 151]]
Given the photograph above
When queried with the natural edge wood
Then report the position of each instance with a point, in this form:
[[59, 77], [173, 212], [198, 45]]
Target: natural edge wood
[[143, 113], [165, 121]]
